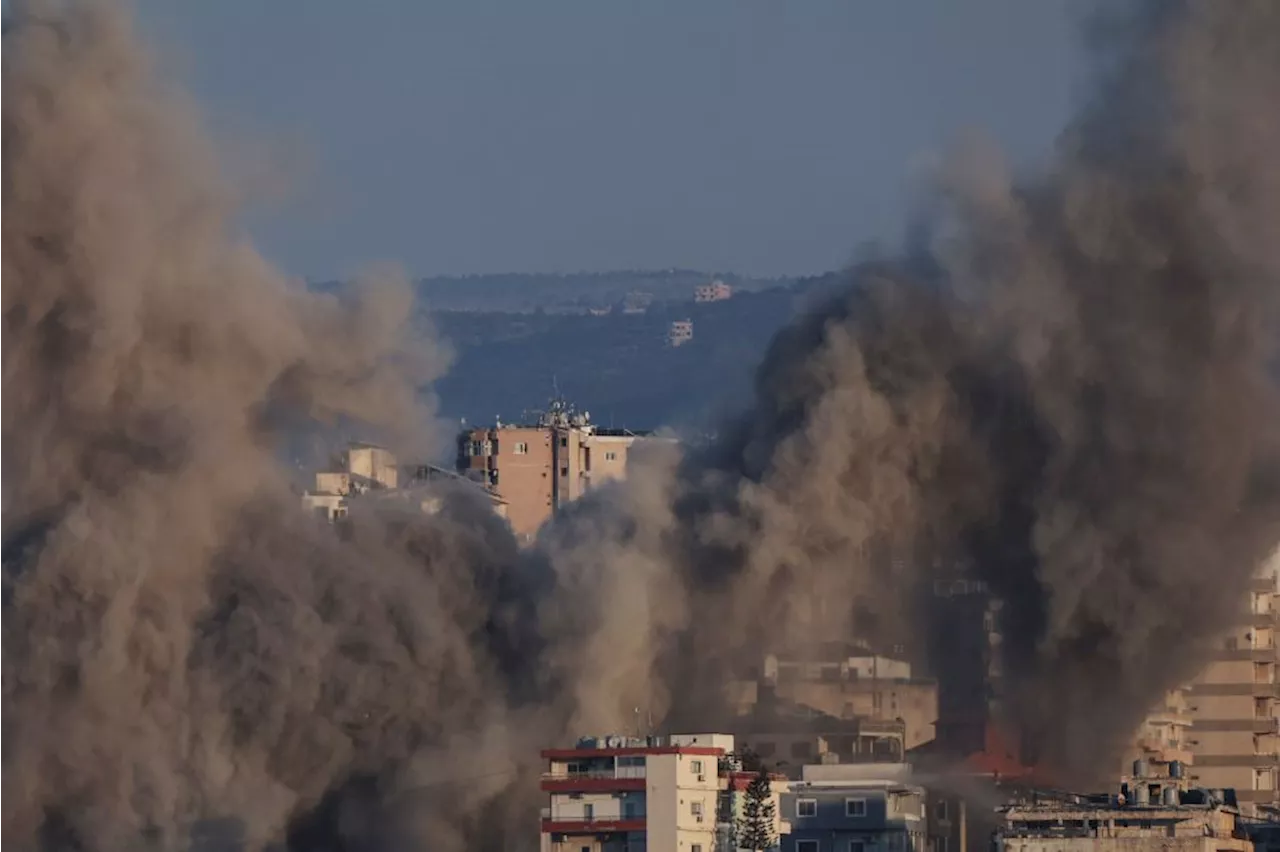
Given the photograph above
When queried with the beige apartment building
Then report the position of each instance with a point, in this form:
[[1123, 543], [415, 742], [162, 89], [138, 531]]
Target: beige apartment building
[[1234, 731], [360, 469], [850, 686], [538, 469]]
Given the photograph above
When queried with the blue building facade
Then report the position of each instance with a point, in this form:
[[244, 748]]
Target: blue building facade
[[855, 817]]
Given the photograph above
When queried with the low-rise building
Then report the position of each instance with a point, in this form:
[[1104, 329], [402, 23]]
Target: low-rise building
[[629, 794], [680, 332], [371, 474], [716, 291], [868, 808]]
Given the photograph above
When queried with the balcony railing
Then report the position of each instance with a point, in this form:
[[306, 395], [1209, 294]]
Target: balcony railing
[[592, 774], [591, 819]]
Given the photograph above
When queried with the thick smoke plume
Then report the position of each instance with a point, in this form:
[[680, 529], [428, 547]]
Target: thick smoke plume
[[1065, 386]]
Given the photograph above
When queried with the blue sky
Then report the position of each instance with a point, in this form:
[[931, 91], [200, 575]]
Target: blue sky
[[562, 135]]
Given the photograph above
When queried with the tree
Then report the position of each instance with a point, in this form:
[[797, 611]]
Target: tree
[[755, 826]]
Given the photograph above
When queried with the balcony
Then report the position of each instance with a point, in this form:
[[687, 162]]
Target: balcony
[[580, 824], [626, 778], [1262, 654]]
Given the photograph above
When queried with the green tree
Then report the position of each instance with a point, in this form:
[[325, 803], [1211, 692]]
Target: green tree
[[755, 826]]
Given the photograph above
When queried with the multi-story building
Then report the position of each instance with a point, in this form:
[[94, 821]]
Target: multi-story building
[[538, 469], [849, 683], [1235, 731], [716, 291], [965, 643], [1170, 823], [789, 736], [856, 809], [629, 794]]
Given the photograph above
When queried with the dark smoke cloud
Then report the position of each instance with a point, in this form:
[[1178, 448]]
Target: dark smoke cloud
[[1064, 384]]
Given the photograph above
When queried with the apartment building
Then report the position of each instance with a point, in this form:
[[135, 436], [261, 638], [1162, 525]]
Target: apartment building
[[856, 809], [857, 684], [539, 468], [630, 794], [1235, 731], [965, 644]]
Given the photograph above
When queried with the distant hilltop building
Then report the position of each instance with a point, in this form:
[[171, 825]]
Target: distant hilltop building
[[369, 472], [680, 333], [538, 468], [716, 291]]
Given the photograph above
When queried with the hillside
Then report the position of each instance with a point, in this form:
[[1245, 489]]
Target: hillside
[[617, 366], [576, 293]]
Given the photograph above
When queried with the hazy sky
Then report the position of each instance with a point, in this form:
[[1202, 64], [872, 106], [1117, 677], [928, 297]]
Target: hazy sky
[[473, 136]]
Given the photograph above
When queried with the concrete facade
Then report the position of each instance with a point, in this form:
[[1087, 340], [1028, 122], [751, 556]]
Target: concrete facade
[[539, 469], [856, 686], [856, 809], [1235, 731]]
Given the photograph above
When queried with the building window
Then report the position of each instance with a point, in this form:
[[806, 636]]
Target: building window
[[521, 448], [695, 766], [588, 812], [564, 471], [806, 846], [855, 807], [856, 846], [695, 847], [564, 442], [477, 448], [695, 808], [940, 810], [806, 807], [610, 456], [766, 749], [801, 749], [941, 845]]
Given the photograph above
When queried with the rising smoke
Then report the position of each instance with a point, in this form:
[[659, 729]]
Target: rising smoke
[[1065, 386]]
